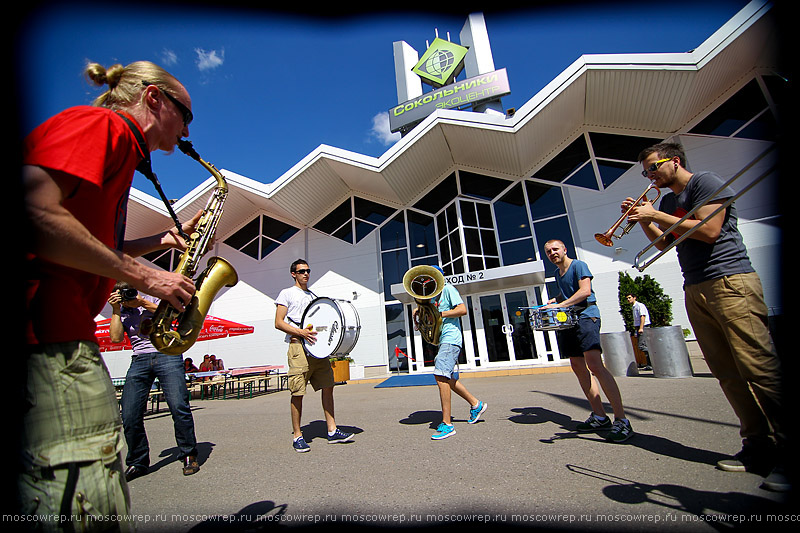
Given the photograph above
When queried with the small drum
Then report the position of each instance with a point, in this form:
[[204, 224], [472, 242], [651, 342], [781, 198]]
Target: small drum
[[337, 325], [552, 319]]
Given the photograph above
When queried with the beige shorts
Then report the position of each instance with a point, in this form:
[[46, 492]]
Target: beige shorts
[[304, 369]]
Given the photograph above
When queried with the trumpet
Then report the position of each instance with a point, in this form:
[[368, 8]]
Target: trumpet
[[606, 238]]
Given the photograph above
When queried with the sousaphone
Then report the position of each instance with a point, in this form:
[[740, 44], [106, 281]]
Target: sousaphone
[[425, 283]]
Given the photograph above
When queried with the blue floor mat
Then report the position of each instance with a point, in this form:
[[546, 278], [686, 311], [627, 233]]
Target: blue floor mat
[[409, 380]]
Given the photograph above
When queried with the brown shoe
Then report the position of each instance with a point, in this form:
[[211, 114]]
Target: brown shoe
[[190, 465]]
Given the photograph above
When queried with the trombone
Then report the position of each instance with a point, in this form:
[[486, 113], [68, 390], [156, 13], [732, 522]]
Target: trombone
[[605, 238], [691, 213]]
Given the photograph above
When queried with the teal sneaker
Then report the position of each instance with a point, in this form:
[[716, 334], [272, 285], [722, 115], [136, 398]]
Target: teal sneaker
[[476, 412], [443, 431]]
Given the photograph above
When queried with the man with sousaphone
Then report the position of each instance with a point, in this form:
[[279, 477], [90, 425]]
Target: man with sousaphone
[[437, 318], [303, 368]]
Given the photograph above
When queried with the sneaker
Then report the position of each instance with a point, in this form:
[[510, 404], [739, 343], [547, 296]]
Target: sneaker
[[339, 436], [443, 431], [299, 445], [777, 481], [749, 459], [593, 423], [620, 431], [476, 412]]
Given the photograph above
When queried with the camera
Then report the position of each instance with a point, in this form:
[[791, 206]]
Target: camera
[[128, 294]]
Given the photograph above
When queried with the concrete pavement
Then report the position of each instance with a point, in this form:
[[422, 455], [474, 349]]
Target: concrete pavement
[[521, 465]]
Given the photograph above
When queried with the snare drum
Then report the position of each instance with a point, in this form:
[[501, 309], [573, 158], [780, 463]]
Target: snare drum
[[552, 319], [337, 325]]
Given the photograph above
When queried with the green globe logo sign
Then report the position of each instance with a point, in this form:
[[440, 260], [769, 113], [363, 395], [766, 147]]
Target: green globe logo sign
[[441, 63]]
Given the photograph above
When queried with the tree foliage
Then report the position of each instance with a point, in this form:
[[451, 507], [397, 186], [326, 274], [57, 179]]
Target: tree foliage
[[649, 292]]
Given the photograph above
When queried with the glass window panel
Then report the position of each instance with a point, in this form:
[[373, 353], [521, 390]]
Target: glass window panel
[[452, 217], [622, 147], [472, 241], [544, 200], [555, 228], [512, 216], [247, 233], [480, 186], [517, 252], [267, 247], [584, 178], [489, 242], [444, 250], [492, 262], [393, 233], [764, 128], [251, 249], [455, 244], [734, 113], [565, 162], [421, 234], [440, 196], [335, 218], [468, 216], [475, 263], [458, 266], [371, 211], [611, 171], [345, 233], [276, 230], [394, 265], [363, 229], [485, 216]]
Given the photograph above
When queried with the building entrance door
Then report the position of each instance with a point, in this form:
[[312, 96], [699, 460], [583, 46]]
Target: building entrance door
[[503, 333]]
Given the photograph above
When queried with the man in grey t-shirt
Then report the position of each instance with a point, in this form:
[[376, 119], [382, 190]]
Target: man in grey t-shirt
[[725, 304]]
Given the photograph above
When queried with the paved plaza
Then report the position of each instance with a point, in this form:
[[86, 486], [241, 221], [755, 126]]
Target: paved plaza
[[521, 465]]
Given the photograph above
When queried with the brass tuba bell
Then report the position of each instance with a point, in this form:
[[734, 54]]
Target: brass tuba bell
[[424, 283]]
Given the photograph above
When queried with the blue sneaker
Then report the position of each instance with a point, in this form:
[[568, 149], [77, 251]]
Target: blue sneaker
[[339, 436], [299, 444], [443, 431], [476, 412]]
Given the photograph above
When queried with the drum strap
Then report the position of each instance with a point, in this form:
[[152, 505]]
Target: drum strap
[[295, 322]]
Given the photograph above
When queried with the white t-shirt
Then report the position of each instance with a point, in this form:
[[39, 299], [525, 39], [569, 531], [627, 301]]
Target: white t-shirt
[[639, 312], [295, 300]]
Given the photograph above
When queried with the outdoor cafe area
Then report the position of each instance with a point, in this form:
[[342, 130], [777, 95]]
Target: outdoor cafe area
[[244, 382], [236, 383]]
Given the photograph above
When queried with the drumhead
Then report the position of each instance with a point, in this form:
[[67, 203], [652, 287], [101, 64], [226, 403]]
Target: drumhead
[[336, 323]]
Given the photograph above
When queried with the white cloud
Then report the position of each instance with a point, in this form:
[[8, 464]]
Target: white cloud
[[168, 57], [380, 129], [209, 60]]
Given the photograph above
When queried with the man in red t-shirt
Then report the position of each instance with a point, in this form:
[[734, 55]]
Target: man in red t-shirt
[[77, 171]]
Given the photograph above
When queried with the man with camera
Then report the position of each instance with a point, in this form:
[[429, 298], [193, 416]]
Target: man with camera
[[129, 309]]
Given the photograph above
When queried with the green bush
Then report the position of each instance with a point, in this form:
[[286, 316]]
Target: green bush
[[649, 292]]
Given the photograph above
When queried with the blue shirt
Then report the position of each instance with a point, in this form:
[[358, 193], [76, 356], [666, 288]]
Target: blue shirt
[[570, 283], [451, 326]]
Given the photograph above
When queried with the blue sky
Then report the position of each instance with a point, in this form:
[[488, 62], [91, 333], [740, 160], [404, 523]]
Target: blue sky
[[268, 88]]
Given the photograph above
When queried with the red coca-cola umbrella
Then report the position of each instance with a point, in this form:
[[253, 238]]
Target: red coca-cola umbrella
[[213, 328]]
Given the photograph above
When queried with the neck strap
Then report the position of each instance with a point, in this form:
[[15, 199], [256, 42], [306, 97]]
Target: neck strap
[[145, 167]]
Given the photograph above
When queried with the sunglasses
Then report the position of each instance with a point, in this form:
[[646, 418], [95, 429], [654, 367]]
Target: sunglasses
[[185, 112], [654, 166], [303, 271]]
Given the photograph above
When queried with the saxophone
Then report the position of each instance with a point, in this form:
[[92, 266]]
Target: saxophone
[[424, 283], [173, 332]]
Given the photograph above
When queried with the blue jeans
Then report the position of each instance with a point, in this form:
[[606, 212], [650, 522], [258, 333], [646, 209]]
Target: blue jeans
[[171, 374]]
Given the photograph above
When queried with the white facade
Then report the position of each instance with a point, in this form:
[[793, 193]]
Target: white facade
[[597, 94]]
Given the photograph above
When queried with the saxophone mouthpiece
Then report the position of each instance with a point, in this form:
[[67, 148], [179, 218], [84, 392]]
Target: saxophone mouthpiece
[[186, 147]]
